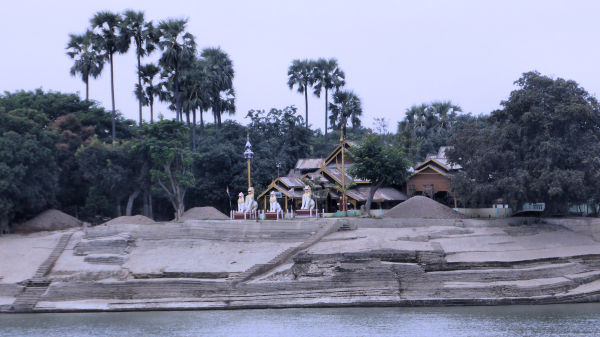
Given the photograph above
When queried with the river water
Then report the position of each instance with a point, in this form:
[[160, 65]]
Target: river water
[[543, 320]]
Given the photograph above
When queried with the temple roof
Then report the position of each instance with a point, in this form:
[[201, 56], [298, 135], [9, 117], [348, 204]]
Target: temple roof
[[309, 164]]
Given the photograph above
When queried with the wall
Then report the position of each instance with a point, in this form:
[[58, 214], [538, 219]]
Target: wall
[[485, 212]]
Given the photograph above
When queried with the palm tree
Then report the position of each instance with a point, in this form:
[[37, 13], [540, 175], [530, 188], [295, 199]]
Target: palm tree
[[346, 105], [179, 49], [88, 62], [196, 93], [109, 39], [144, 38], [300, 74], [327, 75], [219, 72], [147, 90]]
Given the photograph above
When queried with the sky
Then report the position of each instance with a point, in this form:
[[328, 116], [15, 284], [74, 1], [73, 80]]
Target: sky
[[395, 53]]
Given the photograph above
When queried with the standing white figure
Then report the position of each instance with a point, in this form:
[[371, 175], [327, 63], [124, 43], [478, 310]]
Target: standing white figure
[[274, 205], [241, 202], [249, 204], [307, 201]]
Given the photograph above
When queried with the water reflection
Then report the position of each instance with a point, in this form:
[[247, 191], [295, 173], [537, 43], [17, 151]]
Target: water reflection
[[550, 320]]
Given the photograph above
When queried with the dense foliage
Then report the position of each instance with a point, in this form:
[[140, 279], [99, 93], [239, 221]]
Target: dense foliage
[[379, 162], [542, 146]]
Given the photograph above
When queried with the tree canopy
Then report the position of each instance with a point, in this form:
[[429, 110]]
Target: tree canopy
[[379, 162], [542, 146]]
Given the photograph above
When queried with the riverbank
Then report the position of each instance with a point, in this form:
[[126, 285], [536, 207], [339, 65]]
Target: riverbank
[[222, 264]]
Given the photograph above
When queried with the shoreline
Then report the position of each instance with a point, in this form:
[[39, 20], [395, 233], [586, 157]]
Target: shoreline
[[304, 264]]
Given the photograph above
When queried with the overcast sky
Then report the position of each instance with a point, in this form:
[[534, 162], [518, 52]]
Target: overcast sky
[[395, 53]]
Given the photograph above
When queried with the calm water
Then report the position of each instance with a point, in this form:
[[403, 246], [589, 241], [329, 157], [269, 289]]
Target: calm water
[[552, 320]]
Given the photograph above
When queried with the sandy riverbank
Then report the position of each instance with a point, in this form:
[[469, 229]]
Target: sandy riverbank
[[219, 264]]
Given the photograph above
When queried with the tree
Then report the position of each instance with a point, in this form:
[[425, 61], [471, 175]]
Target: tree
[[72, 135], [147, 89], [426, 127], [109, 170], [27, 165], [109, 39], [278, 136], [167, 144], [144, 38], [300, 74], [380, 163], [179, 49], [218, 69], [327, 75], [196, 89], [88, 62], [346, 105], [542, 146]]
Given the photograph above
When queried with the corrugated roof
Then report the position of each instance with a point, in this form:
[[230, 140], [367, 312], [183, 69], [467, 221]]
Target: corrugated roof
[[292, 182], [309, 164], [382, 194], [441, 159]]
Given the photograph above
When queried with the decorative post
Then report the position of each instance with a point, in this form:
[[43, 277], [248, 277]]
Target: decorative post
[[278, 167], [248, 154], [345, 206]]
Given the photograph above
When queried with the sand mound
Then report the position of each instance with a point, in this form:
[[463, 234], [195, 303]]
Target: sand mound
[[203, 213], [130, 220], [422, 207], [49, 220]]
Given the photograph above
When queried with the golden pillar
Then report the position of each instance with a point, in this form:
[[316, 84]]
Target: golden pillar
[[248, 154]]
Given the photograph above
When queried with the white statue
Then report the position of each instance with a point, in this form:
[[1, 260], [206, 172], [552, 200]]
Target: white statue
[[274, 205], [249, 204], [241, 202], [307, 201]]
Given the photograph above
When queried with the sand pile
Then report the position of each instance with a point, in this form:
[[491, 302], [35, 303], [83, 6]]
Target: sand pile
[[422, 207], [49, 220], [203, 213], [130, 220]]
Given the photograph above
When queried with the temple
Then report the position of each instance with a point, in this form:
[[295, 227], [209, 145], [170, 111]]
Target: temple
[[324, 177], [431, 178]]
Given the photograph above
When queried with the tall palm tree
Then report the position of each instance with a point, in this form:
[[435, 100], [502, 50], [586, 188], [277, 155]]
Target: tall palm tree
[[179, 49], [109, 39], [218, 68], [144, 38], [300, 74], [327, 75], [147, 89], [196, 94], [88, 62], [346, 105]]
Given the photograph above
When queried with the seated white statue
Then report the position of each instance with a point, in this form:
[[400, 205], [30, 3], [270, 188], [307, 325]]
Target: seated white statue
[[274, 205], [307, 201], [241, 202], [249, 204]]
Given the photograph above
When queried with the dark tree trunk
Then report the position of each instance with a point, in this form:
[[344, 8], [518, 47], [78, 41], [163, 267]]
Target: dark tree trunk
[[150, 211], [119, 213], [372, 191], [194, 132], [219, 119], [87, 89], [306, 103], [140, 84], [146, 209], [4, 227], [187, 118], [201, 120], [112, 93], [326, 114], [177, 96], [130, 201]]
